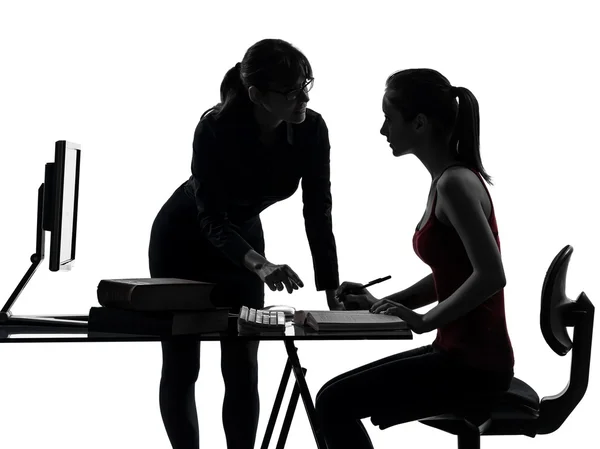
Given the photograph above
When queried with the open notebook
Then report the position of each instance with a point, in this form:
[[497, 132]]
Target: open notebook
[[347, 320]]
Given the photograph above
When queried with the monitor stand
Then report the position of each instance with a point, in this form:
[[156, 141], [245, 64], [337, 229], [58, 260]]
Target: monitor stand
[[59, 322]]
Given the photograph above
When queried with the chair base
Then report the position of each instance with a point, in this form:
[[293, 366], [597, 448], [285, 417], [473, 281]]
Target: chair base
[[469, 441], [468, 430]]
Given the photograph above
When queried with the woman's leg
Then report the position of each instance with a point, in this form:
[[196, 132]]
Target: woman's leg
[[180, 356], [411, 385], [172, 254], [239, 367], [241, 405], [177, 396]]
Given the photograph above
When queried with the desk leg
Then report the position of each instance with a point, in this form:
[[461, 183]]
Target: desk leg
[[287, 421], [305, 393], [277, 405]]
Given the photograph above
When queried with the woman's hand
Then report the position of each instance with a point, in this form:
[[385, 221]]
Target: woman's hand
[[354, 298], [276, 276], [415, 321]]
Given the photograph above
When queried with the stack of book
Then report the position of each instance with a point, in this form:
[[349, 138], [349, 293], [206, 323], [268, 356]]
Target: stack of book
[[156, 306]]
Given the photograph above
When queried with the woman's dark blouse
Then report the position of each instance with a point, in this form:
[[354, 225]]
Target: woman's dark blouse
[[235, 177]]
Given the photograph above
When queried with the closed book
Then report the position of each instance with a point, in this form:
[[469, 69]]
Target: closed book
[[155, 294], [105, 319], [348, 320]]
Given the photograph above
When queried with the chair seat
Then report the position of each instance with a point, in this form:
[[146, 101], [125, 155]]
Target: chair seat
[[520, 401], [521, 395]]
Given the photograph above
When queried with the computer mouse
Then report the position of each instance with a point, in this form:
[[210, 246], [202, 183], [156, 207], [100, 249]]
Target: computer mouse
[[288, 311]]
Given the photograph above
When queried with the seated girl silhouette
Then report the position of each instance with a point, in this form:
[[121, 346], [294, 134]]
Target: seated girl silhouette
[[457, 237]]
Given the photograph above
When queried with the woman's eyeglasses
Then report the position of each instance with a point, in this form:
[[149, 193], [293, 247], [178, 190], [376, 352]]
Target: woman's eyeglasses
[[293, 94]]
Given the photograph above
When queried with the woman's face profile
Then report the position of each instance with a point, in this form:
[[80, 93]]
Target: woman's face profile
[[275, 101]]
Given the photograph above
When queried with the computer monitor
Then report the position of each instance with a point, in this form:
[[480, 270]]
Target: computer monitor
[[58, 200], [60, 204]]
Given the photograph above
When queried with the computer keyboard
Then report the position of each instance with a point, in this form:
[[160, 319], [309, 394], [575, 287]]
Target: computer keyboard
[[260, 320]]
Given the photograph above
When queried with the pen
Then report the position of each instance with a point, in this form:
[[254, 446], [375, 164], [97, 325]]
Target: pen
[[355, 290]]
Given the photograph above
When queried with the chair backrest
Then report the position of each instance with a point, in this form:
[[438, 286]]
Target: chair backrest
[[557, 313]]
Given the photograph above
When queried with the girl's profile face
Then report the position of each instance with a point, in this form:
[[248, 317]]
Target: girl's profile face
[[397, 131]]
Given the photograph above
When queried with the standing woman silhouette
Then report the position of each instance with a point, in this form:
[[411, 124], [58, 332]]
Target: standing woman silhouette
[[249, 151], [472, 355]]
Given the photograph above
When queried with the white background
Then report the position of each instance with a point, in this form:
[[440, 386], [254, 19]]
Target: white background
[[129, 81]]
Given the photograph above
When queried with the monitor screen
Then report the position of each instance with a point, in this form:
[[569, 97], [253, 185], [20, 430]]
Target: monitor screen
[[64, 210]]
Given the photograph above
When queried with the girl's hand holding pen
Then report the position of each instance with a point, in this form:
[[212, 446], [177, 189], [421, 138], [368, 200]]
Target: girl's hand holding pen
[[354, 297]]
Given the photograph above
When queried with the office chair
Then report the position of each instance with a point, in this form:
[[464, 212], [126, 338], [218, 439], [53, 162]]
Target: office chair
[[519, 411]]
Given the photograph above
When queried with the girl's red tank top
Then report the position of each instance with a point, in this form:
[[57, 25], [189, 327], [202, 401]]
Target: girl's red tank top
[[479, 338]]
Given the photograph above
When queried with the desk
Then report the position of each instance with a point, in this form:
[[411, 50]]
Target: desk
[[47, 334]]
